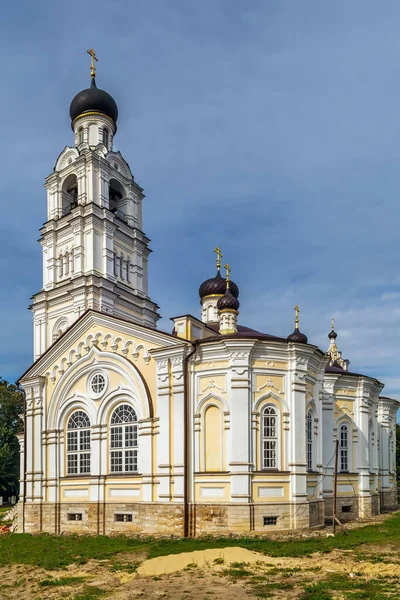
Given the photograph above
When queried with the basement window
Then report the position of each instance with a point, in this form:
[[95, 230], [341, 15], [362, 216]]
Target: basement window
[[74, 517], [347, 508], [270, 521], [123, 517]]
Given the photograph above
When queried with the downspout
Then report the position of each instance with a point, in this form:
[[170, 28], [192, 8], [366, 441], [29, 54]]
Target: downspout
[[186, 430]]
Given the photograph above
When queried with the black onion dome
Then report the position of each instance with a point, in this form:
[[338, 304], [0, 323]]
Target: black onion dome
[[228, 301], [297, 336], [332, 335], [93, 100], [217, 285]]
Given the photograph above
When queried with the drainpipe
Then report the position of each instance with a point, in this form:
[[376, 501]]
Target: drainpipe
[[186, 430]]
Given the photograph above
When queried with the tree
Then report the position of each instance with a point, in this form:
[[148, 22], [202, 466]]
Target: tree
[[398, 452], [11, 406]]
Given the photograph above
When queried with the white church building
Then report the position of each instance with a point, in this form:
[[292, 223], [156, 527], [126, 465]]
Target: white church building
[[215, 428]]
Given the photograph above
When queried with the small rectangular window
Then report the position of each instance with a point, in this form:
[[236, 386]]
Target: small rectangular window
[[270, 520], [123, 517], [347, 508], [74, 516]]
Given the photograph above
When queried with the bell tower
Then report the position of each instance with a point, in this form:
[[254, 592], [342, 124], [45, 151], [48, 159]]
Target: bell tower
[[95, 254]]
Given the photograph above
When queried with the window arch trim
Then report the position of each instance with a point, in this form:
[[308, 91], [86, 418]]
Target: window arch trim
[[270, 437], [345, 438], [78, 443], [310, 439], [123, 428]]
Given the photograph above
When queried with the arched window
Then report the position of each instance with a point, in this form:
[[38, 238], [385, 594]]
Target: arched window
[[309, 433], [106, 137], [78, 443], [80, 135], [123, 440], [344, 447], [269, 438]]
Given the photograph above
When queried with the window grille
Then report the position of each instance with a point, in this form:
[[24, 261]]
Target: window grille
[[344, 448], [98, 383], [270, 521], [78, 443], [269, 438], [123, 517], [309, 423], [74, 517], [124, 440]]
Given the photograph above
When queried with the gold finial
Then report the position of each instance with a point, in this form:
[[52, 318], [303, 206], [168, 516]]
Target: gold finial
[[333, 323], [94, 58], [228, 270], [296, 319], [219, 256]]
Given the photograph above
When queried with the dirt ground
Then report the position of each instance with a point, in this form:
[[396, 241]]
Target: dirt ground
[[215, 574]]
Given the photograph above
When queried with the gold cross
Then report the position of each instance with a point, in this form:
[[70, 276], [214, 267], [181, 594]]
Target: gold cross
[[333, 323], [94, 58], [228, 270], [219, 256], [296, 320]]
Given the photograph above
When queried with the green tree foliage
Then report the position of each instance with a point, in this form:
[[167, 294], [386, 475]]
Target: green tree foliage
[[11, 406]]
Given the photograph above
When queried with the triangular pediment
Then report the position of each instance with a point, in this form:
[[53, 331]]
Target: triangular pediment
[[106, 333]]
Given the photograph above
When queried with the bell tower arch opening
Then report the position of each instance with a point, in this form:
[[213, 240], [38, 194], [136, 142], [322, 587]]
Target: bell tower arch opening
[[69, 194]]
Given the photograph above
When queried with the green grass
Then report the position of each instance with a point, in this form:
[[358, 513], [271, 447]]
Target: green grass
[[90, 593], [61, 581], [55, 552]]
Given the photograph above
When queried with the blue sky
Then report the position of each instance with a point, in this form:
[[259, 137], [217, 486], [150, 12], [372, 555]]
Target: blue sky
[[271, 128]]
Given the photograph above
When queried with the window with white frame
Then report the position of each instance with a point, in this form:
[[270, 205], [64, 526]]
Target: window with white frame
[[344, 447], [269, 438], [309, 433], [80, 135], [78, 443], [123, 440]]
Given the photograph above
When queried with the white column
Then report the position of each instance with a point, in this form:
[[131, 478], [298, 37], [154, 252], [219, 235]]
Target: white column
[[163, 441], [328, 441], [145, 457], [21, 441], [178, 399], [297, 461], [361, 457], [239, 393]]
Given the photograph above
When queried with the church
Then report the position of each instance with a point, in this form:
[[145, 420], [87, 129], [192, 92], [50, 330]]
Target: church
[[212, 428]]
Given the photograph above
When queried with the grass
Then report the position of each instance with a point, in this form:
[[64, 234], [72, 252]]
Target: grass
[[90, 593], [54, 552], [61, 581]]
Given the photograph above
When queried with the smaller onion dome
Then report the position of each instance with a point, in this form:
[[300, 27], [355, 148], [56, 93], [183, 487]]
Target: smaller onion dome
[[228, 301], [332, 335], [297, 336], [217, 285]]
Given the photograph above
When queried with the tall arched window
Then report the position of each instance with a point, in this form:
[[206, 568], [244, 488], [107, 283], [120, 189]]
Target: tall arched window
[[78, 443], [80, 135], [344, 447], [269, 438], [123, 440], [309, 432], [105, 137]]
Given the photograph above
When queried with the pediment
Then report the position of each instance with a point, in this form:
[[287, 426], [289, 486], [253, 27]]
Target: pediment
[[117, 162], [67, 157], [104, 332]]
